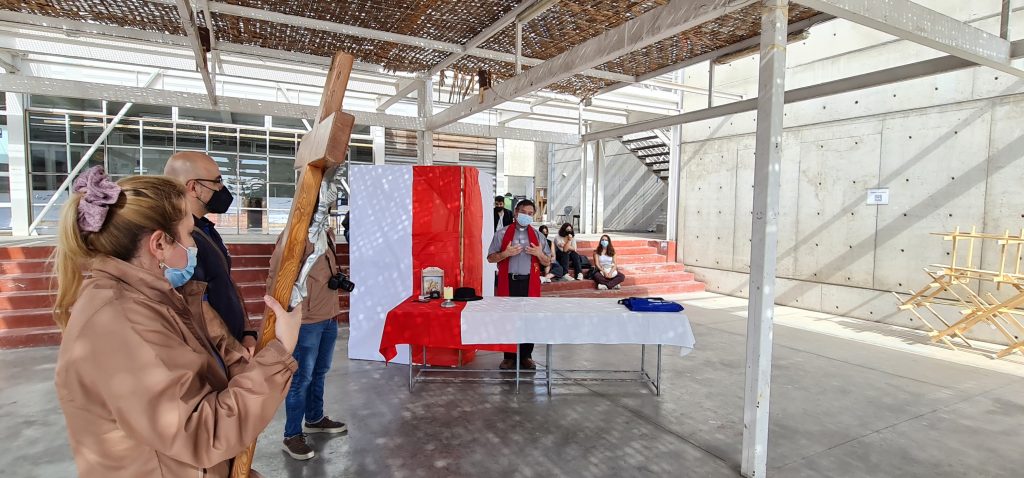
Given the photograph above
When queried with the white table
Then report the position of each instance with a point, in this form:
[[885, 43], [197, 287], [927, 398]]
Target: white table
[[553, 321]]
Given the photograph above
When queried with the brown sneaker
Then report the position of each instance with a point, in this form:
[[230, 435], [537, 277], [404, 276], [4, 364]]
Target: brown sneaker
[[325, 425], [297, 447], [528, 364], [507, 364]]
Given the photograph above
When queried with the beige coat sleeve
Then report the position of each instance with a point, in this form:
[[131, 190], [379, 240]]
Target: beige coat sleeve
[[148, 381]]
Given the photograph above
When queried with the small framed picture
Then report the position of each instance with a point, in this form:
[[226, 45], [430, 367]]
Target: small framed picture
[[431, 280]]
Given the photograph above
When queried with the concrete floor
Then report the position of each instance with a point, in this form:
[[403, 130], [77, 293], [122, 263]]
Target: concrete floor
[[849, 399]]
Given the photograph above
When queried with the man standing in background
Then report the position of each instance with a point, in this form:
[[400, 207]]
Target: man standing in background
[[207, 194]]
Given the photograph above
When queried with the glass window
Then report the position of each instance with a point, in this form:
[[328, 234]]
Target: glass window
[[47, 127], [126, 133], [44, 185], [48, 158], [282, 144], [61, 103], [228, 164], [282, 170], [191, 137], [248, 120], [122, 161], [252, 141], [150, 111], [252, 176], [200, 115], [158, 133], [5, 161], [85, 129], [289, 123], [78, 151], [154, 160], [223, 139], [361, 154], [5, 189]]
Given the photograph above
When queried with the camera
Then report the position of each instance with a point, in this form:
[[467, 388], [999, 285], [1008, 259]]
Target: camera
[[340, 281]]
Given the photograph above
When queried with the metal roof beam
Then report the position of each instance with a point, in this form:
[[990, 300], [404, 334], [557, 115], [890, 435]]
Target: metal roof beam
[[157, 96], [188, 22], [747, 44], [922, 25], [401, 91], [887, 76], [649, 28], [323, 25]]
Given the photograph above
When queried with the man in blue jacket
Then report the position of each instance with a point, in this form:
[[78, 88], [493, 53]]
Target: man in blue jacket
[[207, 194]]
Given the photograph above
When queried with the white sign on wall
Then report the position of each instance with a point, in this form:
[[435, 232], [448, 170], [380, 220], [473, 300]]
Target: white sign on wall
[[878, 197]]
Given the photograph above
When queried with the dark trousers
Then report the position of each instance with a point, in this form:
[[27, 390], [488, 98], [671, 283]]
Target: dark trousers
[[565, 259], [614, 281], [520, 288]]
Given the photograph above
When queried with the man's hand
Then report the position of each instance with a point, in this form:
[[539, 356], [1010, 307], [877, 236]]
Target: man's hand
[[535, 251], [249, 342], [513, 250]]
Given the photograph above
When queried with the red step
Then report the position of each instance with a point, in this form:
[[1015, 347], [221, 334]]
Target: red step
[[26, 282], [640, 259], [581, 244], [652, 268], [26, 318], [29, 337], [25, 252], [33, 266], [621, 251], [633, 291], [631, 280]]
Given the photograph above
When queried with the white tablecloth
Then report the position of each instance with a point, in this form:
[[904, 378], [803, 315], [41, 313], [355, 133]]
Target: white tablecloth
[[552, 320]]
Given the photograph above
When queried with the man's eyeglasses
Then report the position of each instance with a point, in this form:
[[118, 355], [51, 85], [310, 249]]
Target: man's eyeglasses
[[217, 180]]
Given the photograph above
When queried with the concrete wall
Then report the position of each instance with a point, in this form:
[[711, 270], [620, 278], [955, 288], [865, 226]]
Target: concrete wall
[[635, 199], [949, 148], [564, 180]]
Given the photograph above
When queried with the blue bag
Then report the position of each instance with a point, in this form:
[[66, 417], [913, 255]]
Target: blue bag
[[651, 304]]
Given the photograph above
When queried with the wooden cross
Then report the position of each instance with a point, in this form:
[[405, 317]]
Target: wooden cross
[[321, 149]]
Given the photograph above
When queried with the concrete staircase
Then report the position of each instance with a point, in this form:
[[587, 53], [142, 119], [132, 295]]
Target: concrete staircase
[[651, 148], [26, 296], [648, 270]]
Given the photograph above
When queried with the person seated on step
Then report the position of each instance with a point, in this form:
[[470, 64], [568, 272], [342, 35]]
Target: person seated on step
[[565, 252], [607, 275], [553, 271]]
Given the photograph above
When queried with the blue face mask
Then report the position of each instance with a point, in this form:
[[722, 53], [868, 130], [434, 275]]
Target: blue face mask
[[524, 220], [178, 277], [604, 243]]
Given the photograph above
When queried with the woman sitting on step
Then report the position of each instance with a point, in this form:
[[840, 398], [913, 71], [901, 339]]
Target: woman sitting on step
[[553, 271], [607, 275]]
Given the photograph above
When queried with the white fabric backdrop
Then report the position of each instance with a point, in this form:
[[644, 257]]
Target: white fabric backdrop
[[380, 251]]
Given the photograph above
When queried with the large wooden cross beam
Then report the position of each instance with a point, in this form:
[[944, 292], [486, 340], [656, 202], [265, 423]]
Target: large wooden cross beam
[[322, 148]]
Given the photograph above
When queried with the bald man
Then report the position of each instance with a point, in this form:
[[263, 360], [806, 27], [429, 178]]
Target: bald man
[[207, 194]]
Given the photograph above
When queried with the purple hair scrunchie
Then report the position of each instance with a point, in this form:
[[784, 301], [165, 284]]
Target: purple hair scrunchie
[[98, 194]]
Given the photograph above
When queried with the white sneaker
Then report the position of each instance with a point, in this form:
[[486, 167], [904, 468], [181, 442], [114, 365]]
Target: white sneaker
[[568, 277], [545, 280], [602, 287], [617, 286], [579, 276]]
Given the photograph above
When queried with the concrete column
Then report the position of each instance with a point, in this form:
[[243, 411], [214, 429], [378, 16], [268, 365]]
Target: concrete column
[[424, 109], [377, 134], [763, 247], [500, 178], [672, 225], [17, 151], [599, 187]]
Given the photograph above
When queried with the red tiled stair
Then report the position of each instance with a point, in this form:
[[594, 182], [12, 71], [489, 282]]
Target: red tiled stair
[[649, 273], [26, 296]]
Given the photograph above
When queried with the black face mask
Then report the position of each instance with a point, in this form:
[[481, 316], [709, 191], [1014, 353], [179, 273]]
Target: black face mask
[[220, 201], [498, 208]]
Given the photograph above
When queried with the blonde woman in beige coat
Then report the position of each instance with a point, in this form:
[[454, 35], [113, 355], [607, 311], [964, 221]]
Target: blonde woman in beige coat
[[148, 381]]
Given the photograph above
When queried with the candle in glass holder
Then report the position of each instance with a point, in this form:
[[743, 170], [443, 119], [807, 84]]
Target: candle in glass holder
[[449, 292]]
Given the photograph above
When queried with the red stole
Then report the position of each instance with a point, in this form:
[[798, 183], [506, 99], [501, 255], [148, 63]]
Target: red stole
[[503, 289]]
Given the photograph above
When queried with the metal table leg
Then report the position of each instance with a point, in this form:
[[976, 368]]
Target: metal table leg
[[658, 374], [547, 365], [643, 357], [517, 369], [410, 367]]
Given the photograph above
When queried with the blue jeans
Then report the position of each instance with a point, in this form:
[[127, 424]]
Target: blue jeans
[[314, 353]]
